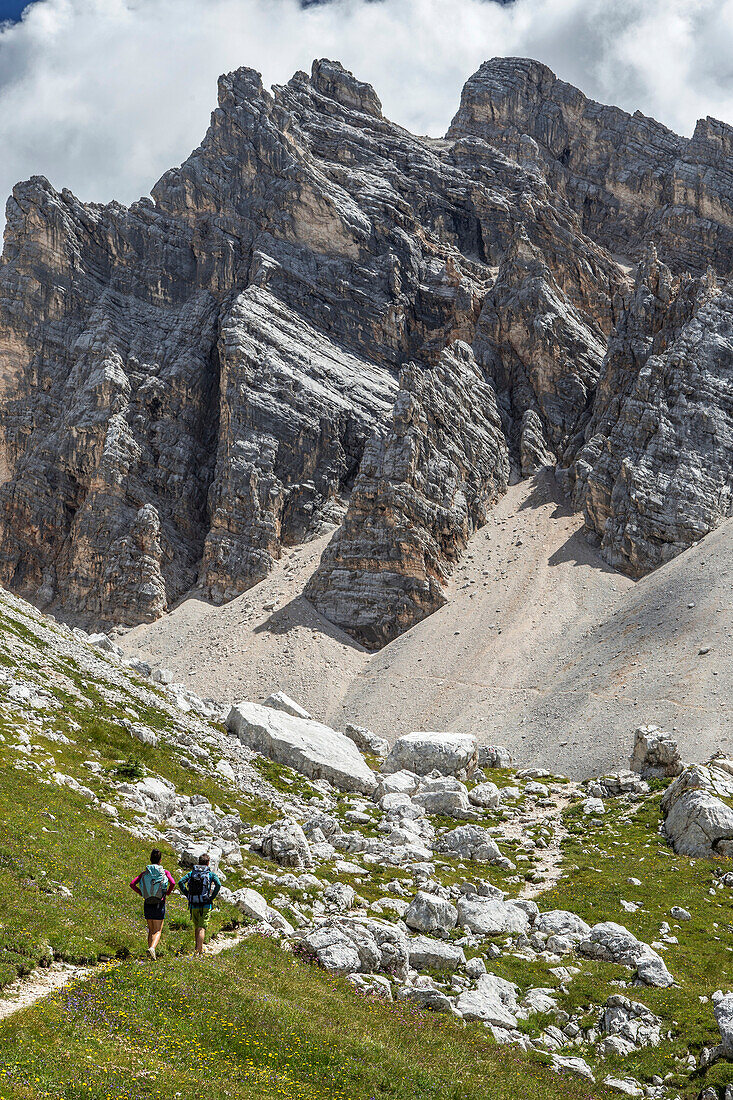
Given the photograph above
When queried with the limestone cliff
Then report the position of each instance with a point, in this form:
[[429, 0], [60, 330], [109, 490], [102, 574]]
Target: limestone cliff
[[630, 179], [423, 488], [656, 472], [320, 317]]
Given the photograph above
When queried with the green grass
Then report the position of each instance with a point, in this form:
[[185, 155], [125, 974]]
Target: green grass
[[254, 1023], [284, 779], [65, 865], [51, 834], [599, 861], [257, 1021]]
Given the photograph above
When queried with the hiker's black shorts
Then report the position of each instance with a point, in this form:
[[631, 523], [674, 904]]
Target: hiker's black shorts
[[154, 909]]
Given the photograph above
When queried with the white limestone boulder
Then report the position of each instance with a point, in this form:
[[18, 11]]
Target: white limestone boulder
[[339, 896], [613, 942], [655, 754], [372, 985], [282, 702], [541, 999], [491, 917], [446, 796], [485, 795], [494, 756], [285, 843], [427, 953], [367, 741], [426, 996], [493, 1001], [632, 1022], [472, 842], [424, 752], [308, 747], [251, 903], [402, 782], [723, 1009], [559, 922], [347, 945], [430, 914], [697, 821]]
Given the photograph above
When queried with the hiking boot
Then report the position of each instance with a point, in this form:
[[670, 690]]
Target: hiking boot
[[151, 953]]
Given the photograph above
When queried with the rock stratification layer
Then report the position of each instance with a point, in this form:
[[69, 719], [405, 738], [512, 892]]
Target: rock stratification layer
[[656, 473], [320, 318], [423, 488], [630, 179]]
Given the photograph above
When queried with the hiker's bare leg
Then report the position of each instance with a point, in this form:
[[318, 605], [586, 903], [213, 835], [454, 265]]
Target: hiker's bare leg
[[200, 937], [155, 930]]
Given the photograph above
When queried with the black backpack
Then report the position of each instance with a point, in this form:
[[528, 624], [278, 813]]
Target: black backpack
[[200, 886]]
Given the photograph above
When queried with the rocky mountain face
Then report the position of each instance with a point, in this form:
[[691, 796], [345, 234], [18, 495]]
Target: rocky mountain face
[[321, 320], [423, 488], [655, 474], [630, 180]]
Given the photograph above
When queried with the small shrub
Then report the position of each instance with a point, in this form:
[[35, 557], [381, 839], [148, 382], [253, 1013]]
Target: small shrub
[[130, 768]]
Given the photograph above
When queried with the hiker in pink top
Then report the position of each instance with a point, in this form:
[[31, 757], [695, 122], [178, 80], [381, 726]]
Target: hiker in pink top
[[154, 885]]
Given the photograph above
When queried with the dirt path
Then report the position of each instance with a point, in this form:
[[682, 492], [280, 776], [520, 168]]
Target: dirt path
[[545, 812], [38, 985], [42, 982]]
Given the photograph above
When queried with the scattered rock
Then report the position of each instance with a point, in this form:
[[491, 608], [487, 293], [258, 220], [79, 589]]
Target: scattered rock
[[472, 842], [285, 842], [655, 754], [306, 746], [372, 985], [627, 1086], [614, 943], [340, 896], [453, 754], [490, 917], [696, 820], [366, 741], [431, 914], [559, 922], [574, 1065], [494, 756], [723, 1009], [426, 996], [251, 903], [494, 1001], [446, 796], [629, 1024], [484, 795], [431, 954], [283, 702]]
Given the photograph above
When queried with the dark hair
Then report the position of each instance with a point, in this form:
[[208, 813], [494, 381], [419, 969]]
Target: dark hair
[[204, 858], [155, 856]]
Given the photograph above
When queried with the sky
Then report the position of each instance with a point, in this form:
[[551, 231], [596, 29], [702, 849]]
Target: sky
[[12, 9], [103, 96]]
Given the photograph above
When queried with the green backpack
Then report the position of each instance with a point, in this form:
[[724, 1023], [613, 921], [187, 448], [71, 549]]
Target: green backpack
[[153, 884]]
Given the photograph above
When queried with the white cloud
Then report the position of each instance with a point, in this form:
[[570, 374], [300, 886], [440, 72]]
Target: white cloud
[[103, 95]]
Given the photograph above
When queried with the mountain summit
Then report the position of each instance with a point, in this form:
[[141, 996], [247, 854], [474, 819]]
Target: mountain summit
[[321, 322]]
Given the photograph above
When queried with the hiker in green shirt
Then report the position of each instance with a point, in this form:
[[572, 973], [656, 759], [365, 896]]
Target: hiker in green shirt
[[200, 886]]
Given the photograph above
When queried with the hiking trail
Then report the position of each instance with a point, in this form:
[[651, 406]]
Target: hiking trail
[[43, 981]]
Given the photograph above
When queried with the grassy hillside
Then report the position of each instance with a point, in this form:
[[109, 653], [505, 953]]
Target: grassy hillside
[[257, 1021], [65, 862], [254, 1023]]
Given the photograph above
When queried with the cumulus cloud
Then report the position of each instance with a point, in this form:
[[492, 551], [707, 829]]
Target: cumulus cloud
[[103, 95]]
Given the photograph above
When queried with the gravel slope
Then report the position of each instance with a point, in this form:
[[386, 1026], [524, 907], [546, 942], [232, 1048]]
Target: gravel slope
[[541, 645], [268, 639]]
